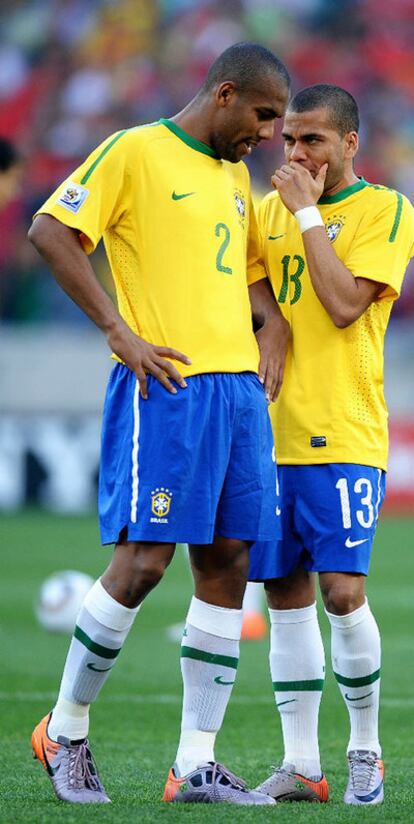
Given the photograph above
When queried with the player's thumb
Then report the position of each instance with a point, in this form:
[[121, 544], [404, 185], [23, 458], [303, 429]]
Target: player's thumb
[[321, 176]]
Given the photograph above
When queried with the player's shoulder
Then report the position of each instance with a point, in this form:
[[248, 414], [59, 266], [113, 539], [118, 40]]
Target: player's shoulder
[[382, 196], [137, 136], [271, 201], [121, 144]]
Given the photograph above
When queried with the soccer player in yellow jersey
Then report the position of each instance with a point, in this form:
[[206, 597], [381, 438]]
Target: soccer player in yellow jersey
[[336, 249], [187, 451]]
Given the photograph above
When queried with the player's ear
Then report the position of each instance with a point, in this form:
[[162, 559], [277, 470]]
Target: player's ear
[[225, 92], [351, 144]]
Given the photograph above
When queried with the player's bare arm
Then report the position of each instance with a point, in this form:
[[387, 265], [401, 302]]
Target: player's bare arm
[[62, 249], [272, 336], [344, 296]]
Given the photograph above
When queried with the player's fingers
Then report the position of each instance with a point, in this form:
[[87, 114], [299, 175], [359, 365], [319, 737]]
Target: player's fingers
[[167, 352], [278, 383], [287, 170], [160, 375], [277, 180], [142, 381], [171, 371], [280, 174], [270, 382], [320, 177], [262, 368]]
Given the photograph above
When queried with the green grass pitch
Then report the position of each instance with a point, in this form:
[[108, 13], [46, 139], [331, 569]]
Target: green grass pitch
[[135, 722]]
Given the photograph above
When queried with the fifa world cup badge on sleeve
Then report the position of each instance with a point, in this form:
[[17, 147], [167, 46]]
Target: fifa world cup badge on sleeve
[[73, 196]]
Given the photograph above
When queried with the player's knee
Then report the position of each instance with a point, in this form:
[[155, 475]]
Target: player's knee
[[147, 572], [235, 562], [340, 600]]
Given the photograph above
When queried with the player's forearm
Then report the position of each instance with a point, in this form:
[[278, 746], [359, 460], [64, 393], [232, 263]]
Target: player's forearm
[[62, 250], [336, 287], [265, 308]]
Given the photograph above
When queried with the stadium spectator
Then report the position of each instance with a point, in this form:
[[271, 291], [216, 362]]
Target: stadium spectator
[[149, 63], [10, 172], [336, 250], [187, 452]]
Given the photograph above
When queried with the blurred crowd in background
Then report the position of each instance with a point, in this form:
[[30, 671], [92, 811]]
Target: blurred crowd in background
[[74, 71]]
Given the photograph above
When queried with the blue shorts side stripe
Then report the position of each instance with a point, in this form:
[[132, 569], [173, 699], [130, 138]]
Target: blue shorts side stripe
[[135, 450]]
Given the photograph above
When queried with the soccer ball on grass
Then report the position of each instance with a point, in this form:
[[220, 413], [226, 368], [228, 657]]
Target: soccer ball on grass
[[60, 599]]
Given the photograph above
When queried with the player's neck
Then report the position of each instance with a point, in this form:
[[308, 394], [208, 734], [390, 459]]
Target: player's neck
[[348, 179], [193, 120]]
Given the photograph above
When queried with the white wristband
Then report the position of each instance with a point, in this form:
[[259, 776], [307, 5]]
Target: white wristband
[[308, 217]]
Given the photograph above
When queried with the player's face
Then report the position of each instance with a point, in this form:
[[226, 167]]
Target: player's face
[[311, 140], [244, 120]]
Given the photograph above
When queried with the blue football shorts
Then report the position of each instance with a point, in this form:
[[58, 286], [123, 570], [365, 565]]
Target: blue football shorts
[[328, 519], [184, 468]]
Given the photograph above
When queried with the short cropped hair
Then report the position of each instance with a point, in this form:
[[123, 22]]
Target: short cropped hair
[[341, 105], [247, 65], [9, 156]]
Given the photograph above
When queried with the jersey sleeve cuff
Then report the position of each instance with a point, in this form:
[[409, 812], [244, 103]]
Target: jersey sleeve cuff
[[88, 241]]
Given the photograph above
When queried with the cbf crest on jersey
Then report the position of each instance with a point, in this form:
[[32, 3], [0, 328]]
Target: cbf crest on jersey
[[240, 205], [73, 196], [160, 504], [333, 226]]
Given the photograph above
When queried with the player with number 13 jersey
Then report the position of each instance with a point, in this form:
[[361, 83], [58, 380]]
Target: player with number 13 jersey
[[335, 249]]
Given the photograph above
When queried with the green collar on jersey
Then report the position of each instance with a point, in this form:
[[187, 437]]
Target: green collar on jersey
[[186, 138], [349, 190]]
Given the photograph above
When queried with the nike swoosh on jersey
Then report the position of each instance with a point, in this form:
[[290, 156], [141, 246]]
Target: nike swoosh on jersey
[[180, 197], [289, 701], [96, 669], [349, 543], [219, 680], [275, 237]]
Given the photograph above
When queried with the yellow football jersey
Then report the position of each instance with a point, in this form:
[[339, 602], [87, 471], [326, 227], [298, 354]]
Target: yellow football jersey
[[178, 227], [331, 408]]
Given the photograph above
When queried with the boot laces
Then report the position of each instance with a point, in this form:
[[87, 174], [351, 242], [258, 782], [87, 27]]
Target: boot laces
[[220, 771], [362, 766], [82, 771]]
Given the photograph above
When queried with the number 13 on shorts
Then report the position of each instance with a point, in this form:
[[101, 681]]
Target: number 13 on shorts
[[361, 498]]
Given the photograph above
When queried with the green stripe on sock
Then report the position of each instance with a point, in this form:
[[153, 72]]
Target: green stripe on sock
[[100, 156], [314, 685], [209, 657], [97, 649], [358, 682]]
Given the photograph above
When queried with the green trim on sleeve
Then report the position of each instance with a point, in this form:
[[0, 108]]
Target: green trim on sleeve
[[101, 156], [397, 219], [186, 138]]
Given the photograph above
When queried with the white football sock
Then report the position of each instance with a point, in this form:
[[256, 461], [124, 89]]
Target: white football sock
[[101, 629], [253, 597], [297, 666], [209, 659], [356, 662]]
